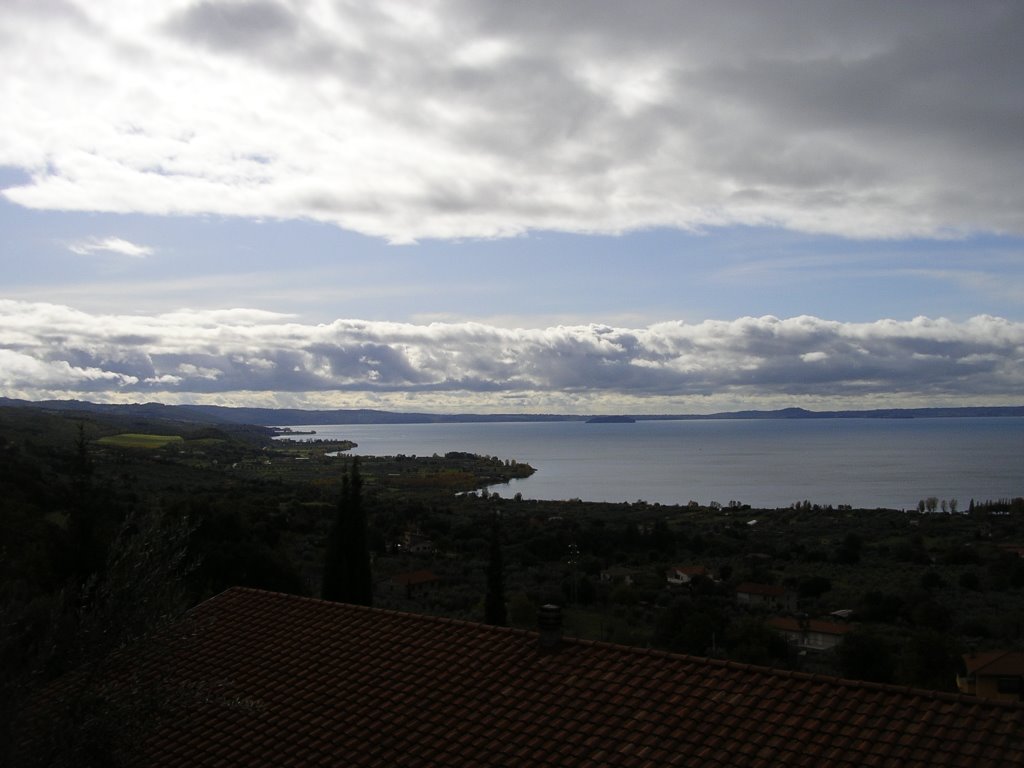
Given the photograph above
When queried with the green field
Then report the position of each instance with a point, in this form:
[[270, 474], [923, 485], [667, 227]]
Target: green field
[[133, 440]]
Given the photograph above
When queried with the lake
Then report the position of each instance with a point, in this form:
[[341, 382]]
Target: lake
[[766, 463]]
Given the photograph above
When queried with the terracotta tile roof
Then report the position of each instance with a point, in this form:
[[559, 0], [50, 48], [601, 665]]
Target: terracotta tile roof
[[689, 570], [414, 578], [995, 663], [787, 624], [320, 683], [768, 590]]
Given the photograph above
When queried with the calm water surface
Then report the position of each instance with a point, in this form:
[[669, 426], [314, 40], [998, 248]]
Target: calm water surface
[[767, 463]]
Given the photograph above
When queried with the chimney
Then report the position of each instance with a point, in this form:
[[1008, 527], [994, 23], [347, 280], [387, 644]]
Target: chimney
[[549, 621]]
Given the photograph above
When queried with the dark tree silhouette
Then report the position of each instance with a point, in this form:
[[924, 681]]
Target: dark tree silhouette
[[866, 656], [86, 551], [494, 602], [347, 567], [97, 716]]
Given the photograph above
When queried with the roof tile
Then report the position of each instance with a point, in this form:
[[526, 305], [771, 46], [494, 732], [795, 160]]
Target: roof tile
[[332, 683]]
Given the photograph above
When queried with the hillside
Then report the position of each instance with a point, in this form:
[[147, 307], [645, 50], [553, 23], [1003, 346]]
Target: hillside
[[266, 417]]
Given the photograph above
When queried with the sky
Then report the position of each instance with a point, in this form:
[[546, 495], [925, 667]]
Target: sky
[[484, 206]]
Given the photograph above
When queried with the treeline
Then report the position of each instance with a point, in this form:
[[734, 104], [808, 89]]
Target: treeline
[[933, 504], [100, 548], [1014, 506]]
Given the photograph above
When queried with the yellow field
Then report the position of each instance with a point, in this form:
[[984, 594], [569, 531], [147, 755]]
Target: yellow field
[[132, 440]]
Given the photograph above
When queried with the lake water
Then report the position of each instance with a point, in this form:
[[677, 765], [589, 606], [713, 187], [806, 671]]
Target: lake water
[[766, 463]]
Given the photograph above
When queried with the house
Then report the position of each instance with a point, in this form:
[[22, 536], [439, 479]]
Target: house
[[993, 675], [768, 596], [810, 634], [279, 680], [415, 543], [618, 574], [415, 582], [681, 575]]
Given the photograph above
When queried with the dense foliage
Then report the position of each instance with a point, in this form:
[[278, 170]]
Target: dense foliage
[[347, 576]]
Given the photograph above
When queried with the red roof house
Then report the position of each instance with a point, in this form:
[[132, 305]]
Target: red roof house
[[993, 675], [810, 634], [765, 596], [317, 683], [415, 581], [678, 575]]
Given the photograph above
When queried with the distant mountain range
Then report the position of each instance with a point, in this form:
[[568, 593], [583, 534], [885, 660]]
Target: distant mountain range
[[217, 414]]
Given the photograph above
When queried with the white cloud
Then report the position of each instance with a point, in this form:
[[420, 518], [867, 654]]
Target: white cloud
[[20, 370], [459, 119], [110, 245], [246, 355]]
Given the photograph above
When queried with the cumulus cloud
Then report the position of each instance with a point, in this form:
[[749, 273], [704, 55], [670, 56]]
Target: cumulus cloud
[[452, 119], [110, 245], [238, 354]]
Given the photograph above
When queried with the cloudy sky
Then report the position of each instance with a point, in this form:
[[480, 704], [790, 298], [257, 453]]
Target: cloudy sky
[[657, 206]]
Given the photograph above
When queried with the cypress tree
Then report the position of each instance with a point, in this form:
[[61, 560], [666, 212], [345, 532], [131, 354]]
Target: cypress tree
[[347, 576], [87, 551], [494, 602]]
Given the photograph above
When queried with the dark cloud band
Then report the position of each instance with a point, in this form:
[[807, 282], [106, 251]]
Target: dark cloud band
[[48, 347]]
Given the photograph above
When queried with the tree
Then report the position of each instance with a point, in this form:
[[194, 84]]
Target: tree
[[969, 580], [814, 587], [881, 606], [586, 591], [522, 611], [494, 602], [849, 550], [863, 655], [662, 540], [347, 576], [931, 579], [87, 551], [689, 626], [97, 716], [929, 659], [751, 642]]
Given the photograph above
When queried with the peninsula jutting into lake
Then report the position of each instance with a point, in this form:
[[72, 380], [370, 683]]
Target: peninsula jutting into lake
[[765, 462]]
